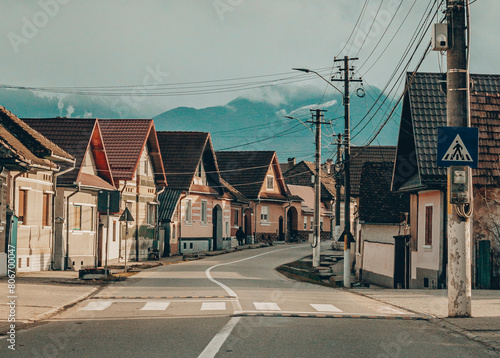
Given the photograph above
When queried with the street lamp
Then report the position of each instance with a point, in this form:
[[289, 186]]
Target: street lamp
[[306, 70]]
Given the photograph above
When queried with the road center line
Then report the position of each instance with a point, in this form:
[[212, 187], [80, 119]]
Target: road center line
[[216, 343]]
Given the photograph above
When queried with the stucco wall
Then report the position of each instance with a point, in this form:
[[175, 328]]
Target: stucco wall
[[378, 258], [430, 256]]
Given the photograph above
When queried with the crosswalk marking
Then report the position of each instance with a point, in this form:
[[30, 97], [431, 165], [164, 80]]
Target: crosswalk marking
[[155, 306], [97, 306], [325, 307], [213, 306], [266, 306]]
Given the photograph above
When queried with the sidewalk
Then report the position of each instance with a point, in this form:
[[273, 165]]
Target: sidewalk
[[484, 326]]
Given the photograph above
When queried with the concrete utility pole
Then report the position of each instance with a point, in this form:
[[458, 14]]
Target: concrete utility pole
[[338, 185], [317, 116], [459, 228], [347, 165]]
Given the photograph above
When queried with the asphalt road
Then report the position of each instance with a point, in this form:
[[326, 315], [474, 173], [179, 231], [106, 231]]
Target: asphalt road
[[235, 305]]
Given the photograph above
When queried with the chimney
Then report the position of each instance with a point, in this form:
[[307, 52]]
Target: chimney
[[291, 162]]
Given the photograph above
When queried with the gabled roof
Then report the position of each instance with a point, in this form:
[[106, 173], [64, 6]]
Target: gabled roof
[[32, 139], [300, 174], [181, 153], [235, 194], [361, 155], [377, 203], [424, 110], [247, 170], [125, 140], [15, 156], [306, 194], [76, 136]]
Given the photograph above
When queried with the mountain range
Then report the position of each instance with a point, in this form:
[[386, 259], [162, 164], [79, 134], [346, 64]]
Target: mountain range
[[257, 122]]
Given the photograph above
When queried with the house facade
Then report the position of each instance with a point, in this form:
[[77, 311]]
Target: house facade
[[257, 175], [195, 213], [381, 227], [416, 173], [78, 234], [29, 163], [137, 168]]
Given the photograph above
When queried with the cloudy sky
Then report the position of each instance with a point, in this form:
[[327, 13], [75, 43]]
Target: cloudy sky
[[94, 43]]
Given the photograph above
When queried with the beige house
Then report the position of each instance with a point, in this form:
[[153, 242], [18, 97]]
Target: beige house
[[78, 233], [137, 168], [29, 164]]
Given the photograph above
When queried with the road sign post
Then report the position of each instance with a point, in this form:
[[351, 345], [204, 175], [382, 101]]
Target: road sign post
[[126, 216]]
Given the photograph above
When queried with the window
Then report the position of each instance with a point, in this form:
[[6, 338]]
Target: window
[[264, 213], [204, 211], [428, 225], [305, 222], [114, 230], [270, 182], [77, 217], [46, 210], [199, 170], [22, 206], [312, 223], [151, 214], [146, 167], [92, 218], [321, 224], [173, 236], [188, 212], [236, 217], [227, 229]]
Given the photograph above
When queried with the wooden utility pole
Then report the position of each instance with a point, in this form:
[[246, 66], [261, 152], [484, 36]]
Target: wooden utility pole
[[317, 116], [459, 228], [347, 166], [338, 186]]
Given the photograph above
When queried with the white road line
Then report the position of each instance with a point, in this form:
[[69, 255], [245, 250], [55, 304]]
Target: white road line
[[230, 292], [155, 306], [213, 306], [325, 308], [96, 306], [266, 306], [216, 343]]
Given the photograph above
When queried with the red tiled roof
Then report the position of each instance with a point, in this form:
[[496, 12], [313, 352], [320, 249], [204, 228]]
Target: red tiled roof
[[12, 151], [41, 146], [181, 152], [76, 136], [125, 140]]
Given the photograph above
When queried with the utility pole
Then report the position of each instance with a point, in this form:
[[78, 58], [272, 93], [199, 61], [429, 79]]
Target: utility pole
[[347, 165], [338, 185], [317, 116], [459, 228]]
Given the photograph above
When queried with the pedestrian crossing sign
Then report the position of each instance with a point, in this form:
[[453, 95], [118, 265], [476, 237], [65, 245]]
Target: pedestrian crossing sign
[[457, 146]]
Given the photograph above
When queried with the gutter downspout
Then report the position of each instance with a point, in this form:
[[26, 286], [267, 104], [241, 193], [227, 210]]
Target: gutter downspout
[[67, 224], [120, 244], [179, 215], [285, 218], [255, 219], [54, 184], [157, 226]]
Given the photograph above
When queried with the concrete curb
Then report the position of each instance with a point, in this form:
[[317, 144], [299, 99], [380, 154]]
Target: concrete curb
[[320, 315], [441, 322]]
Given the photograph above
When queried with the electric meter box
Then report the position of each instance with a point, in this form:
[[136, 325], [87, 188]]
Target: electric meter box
[[440, 37], [459, 191]]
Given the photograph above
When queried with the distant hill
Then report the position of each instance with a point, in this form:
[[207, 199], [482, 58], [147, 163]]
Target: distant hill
[[249, 121], [254, 123]]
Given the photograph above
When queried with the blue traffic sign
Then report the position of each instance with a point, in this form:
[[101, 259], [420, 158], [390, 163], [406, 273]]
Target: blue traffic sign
[[457, 146]]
